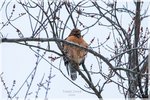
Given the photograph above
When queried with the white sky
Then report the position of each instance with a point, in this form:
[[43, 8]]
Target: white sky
[[18, 61]]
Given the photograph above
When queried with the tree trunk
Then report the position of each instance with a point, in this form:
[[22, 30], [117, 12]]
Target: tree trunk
[[134, 80]]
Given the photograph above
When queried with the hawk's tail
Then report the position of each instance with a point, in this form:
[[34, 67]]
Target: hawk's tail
[[73, 72], [70, 65]]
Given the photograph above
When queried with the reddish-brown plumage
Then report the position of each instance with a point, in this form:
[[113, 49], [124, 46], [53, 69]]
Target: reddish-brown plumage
[[75, 54]]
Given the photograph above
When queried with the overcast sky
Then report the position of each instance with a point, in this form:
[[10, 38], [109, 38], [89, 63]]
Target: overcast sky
[[18, 61]]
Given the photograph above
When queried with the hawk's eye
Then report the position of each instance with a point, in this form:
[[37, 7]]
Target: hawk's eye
[[78, 35]]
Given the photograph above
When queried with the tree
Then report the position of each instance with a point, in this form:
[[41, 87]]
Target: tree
[[126, 42]]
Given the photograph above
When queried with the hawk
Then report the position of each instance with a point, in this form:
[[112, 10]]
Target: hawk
[[74, 56]]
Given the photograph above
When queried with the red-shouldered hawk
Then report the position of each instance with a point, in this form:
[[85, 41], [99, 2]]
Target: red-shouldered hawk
[[75, 55]]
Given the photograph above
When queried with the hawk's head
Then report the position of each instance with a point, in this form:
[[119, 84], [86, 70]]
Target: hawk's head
[[75, 32]]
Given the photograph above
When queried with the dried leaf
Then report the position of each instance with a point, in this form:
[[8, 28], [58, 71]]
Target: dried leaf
[[14, 6], [141, 29]]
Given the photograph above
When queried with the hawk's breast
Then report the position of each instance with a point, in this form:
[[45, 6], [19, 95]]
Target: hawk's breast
[[75, 53]]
